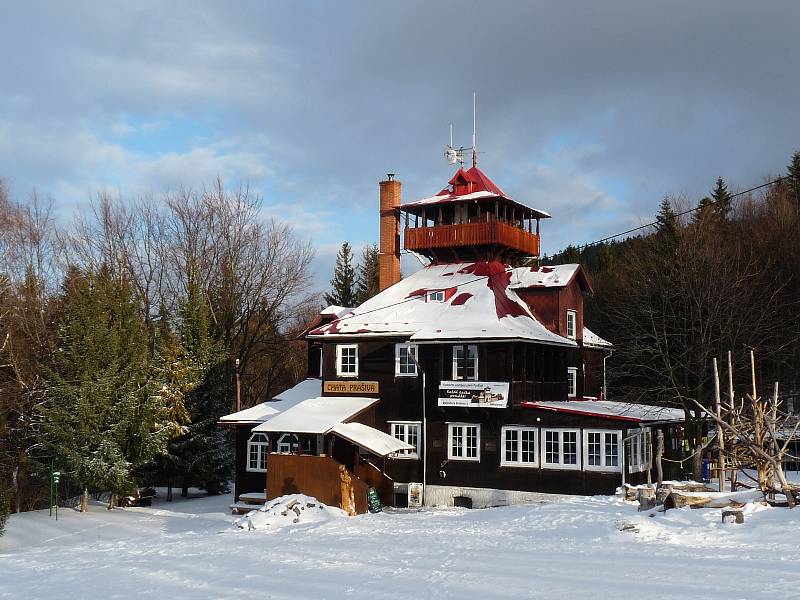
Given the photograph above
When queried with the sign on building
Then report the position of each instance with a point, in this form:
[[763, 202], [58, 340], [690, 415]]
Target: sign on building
[[476, 394], [350, 387]]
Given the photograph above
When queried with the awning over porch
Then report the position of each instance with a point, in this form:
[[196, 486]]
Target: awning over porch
[[373, 440], [316, 415]]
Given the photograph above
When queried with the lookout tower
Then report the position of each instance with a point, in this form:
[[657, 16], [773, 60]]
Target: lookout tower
[[472, 219]]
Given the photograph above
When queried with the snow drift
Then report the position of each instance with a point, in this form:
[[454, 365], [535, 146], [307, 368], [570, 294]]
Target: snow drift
[[292, 509]]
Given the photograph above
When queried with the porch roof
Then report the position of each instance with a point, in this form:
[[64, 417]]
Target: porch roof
[[316, 415], [608, 409], [308, 388], [369, 438]]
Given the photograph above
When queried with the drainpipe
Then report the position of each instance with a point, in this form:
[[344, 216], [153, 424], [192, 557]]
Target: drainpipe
[[424, 444], [605, 389]]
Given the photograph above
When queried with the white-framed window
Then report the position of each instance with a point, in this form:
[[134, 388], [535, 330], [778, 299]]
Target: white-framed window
[[435, 296], [465, 362], [288, 443], [572, 382], [637, 448], [405, 360], [572, 324], [408, 432], [257, 450], [561, 449], [518, 446], [601, 450], [463, 441], [347, 360]]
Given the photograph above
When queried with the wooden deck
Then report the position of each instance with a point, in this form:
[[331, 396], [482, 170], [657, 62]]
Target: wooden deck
[[489, 233]]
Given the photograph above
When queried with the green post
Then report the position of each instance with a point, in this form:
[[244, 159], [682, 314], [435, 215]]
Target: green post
[[51, 487]]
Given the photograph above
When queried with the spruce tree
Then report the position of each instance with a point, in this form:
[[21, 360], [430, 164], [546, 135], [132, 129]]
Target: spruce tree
[[201, 454], [5, 509], [101, 420], [343, 284], [793, 175], [721, 198], [369, 271]]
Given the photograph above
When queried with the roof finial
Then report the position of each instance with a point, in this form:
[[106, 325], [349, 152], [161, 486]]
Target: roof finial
[[474, 145]]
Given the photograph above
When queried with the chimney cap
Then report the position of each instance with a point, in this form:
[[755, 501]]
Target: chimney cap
[[390, 176]]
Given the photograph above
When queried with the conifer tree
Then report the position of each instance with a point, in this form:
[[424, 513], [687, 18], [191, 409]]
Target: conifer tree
[[606, 258], [721, 198], [369, 271], [343, 284], [101, 421], [571, 255], [793, 174], [201, 454], [5, 509], [667, 223]]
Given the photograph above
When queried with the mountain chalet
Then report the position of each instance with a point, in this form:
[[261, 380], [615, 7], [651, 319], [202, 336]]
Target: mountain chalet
[[472, 382]]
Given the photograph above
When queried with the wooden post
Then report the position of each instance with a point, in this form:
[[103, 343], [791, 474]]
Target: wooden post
[[730, 399], [659, 456], [650, 459], [238, 389], [720, 437]]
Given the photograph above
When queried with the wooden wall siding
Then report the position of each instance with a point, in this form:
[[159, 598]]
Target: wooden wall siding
[[316, 476], [549, 306], [489, 474], [593, 375]]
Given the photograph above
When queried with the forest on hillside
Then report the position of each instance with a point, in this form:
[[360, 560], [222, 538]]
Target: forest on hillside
[[121, 330], [709, 277]]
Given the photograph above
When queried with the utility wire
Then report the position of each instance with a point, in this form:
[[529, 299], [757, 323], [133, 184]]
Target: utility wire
[[685, 212], [605, 239]]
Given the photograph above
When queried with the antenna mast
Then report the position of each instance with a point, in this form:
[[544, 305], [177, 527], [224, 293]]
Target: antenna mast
[[474, 146]]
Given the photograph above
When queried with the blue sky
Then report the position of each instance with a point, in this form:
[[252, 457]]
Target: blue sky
[[590, 111]]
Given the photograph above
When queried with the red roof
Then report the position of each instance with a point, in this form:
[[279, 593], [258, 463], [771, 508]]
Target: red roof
[[472, 184], [469, 182]]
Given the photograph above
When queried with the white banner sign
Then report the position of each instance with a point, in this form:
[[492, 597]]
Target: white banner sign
[[477, 394]]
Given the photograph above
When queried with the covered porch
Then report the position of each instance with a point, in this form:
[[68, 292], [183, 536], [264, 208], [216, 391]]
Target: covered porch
[[346, 460]]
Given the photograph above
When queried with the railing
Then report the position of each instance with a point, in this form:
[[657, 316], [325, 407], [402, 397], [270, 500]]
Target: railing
[[472, 234]]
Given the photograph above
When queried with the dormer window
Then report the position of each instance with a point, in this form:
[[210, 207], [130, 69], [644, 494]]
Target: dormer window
[[572, 323], [435, 296]]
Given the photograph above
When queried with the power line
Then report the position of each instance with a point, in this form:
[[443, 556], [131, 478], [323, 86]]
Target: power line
[[685, 212], [605, 239]]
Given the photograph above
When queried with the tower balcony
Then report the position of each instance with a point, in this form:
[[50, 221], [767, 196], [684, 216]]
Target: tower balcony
[[470, 241]]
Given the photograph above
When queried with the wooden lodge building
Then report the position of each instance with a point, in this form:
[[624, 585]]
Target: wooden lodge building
[[473, 381]]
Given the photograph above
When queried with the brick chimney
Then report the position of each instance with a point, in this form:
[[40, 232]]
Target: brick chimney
[[390, 232]]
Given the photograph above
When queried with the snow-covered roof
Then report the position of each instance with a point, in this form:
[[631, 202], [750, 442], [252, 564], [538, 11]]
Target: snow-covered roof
[[308, 388], [592, 340], [375, 441], [553, 276], [608, 409], [478, 304], [469, 185], [317, 415], [336, 311]]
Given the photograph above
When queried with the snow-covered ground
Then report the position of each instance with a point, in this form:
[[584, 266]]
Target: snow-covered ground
[[570, 549]]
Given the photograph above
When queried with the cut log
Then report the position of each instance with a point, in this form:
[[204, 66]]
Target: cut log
[[732, 516]]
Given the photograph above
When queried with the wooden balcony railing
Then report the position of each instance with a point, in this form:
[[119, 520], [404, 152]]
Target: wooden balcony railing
[[472, 234]]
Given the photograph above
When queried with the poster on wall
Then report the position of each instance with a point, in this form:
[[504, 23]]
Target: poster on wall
[[475, 394], [414, 495]]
